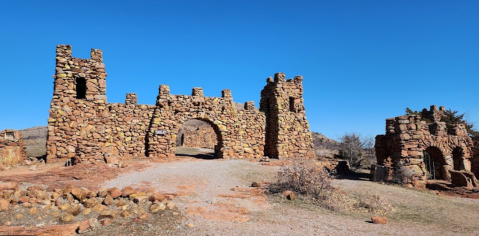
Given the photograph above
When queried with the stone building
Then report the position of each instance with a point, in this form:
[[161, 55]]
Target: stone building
[[416, 148], [12, 149], [203, 137], [83, 125]]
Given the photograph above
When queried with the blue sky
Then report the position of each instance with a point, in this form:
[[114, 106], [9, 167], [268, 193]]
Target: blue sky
[[362, 61]]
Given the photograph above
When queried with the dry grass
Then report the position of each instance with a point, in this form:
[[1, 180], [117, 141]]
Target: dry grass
[[314, 184]]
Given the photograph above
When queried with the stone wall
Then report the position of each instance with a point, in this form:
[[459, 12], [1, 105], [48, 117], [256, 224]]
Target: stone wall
[[204, 137], [84, 126], [287, 128], [12, 149], [413, 151]]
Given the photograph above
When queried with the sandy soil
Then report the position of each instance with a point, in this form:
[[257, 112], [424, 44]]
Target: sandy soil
[[217, 198]]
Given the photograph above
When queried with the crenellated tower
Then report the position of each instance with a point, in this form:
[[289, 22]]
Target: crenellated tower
[[287, 129]]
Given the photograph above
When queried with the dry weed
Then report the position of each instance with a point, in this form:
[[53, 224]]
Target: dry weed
[[314, 183], [376, 204]]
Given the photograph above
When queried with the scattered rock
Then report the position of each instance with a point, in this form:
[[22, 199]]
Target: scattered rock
[[125, 214], [108, 200], [379, 219], [4, 204], [114, 192], [84, 226], [156, 197], [127, 191], [33, 211], [289, 195], [74, 210], [170, 205], [67, 217], [90, 203]]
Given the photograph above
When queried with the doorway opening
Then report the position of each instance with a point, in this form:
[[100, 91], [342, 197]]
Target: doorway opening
[[434, 161], [199, 139]]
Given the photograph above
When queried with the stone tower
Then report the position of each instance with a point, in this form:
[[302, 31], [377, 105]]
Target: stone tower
[[79, 95], [287, 129]]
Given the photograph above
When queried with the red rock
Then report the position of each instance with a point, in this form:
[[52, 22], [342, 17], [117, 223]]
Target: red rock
[[156, 197], [23, 199], [114, 192], [127, 191], [289, 195], [84, 226], [379, 219], [8, 186], [47, 230], [4, 204]]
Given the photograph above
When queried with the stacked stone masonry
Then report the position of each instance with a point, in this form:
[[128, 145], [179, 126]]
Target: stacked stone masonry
[[84, 126], [413, 151], [204, 137], [12, 149]]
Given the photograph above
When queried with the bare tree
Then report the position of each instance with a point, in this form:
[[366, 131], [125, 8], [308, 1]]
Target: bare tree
[[357, 149], [350, 148]]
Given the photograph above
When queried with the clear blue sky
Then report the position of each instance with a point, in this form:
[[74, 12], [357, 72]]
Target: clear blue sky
[[362, 61]]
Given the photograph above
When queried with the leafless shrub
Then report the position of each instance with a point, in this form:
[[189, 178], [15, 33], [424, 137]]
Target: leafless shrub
[[376, 204], [357, 149], [402, 175], [314, 183], [303, 177]]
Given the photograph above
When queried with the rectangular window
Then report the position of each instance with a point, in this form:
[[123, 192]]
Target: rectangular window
[[10, 136]]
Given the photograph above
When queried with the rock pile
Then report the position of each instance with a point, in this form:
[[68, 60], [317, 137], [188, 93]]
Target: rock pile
[[72, 204]]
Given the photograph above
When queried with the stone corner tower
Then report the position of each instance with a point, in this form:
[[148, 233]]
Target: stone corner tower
[[287, 128]]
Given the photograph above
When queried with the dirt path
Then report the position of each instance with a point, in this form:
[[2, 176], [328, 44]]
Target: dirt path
[[216, 197]]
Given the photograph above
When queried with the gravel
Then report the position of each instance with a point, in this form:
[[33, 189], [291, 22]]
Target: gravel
[[205, 180]]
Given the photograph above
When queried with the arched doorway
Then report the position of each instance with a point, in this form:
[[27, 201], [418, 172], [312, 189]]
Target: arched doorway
[[199, 138], [434, 162], [458, 158]]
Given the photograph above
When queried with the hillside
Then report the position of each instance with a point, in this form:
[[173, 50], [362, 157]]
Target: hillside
[[35, 139]]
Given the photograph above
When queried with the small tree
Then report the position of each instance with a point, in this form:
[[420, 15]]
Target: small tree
[[350, 148], [450, 117], [357, 149]]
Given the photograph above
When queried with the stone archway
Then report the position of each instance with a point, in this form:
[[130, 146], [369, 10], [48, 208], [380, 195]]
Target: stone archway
[[435, 163], [200, 133], [458, 158]]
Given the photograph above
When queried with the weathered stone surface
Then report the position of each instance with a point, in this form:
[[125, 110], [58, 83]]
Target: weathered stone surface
[[127, 191], [67, 217], [83, 125], [8, 186], [74, 210], [413, 150], [156, 197], [12, 149], [90, 203], [289, 195], [114, 192], [459, 179]]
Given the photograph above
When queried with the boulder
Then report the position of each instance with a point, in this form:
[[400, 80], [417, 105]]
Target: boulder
[[289, 195], [379, 219]]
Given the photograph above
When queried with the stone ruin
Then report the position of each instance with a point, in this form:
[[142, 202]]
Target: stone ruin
[[12, 148], [413, 151], [82, 125], [203, 137]]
